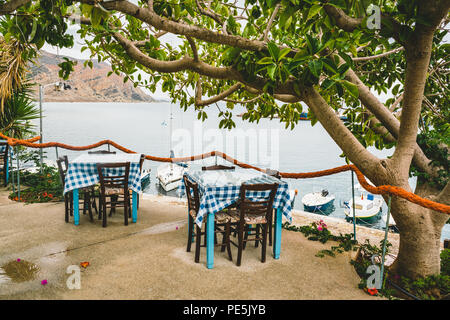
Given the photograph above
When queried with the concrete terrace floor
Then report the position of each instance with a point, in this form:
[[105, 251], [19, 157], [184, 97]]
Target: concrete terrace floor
[[148, 259]]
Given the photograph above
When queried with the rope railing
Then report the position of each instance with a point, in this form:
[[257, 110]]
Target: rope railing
[[382, 190]]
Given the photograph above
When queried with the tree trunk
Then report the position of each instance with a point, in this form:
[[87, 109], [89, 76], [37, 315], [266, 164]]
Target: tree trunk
[[420, 233]]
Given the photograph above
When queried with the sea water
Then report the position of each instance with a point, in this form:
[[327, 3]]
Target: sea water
[[145, 128]]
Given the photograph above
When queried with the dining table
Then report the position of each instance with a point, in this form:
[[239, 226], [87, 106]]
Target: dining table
[[82, 172], [220, 189]]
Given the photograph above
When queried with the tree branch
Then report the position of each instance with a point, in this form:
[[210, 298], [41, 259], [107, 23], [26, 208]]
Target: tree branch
[[388, 120], [198, 94], [244, 101], [10, 6], [381, 55], [341, 19], [206, 12], [161, 23], [353, 149], [193, 47], [200, 67], [269, 24]]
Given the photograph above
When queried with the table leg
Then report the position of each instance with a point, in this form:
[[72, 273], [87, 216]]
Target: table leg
[[277, 235], [134, 202], [210, 241], [7, 170], [76, 209]]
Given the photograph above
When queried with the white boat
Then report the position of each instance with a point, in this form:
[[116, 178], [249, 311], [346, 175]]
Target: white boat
[[367, 205], [170, 175], [318, 201], [145, 178]]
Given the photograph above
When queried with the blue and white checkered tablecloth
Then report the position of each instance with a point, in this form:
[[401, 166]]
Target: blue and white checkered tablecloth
[[220, 189], [82, 171], [2, 149]]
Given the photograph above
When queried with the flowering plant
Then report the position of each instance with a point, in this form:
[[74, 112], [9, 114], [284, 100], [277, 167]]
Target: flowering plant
[[39, 187]]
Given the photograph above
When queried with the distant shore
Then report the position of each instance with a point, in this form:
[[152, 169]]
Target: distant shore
[[87, 100]]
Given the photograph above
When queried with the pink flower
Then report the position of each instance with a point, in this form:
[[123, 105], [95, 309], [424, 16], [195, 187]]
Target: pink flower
[[319, 228], [176, 228], [44, 282], [18, 260]]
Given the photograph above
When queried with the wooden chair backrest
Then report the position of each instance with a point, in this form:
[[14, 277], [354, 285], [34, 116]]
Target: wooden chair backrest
[[63, 160], [114, 180], [263, 207], [192, 194]]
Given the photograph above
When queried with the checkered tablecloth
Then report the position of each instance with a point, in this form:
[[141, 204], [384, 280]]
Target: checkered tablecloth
[[220, 189], [2, 150], [82, 171]]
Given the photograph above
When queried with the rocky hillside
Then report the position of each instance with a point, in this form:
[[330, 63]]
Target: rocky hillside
[[86, 84]]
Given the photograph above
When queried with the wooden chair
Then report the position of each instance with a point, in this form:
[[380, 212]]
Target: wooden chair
[[249, 213], [141, 164], [114, 187], [88, 193], [276, 174], [4, 160], [218, 167], [102, 152], [222, 224]]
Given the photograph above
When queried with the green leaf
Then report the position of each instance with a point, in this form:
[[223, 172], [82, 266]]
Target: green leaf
[[271, 71], [96, 16], [326, 84], [313, 11], [343, 69], [33, 30], [352, 88], [315, 67], [273, 50], [283, 53], [265, 60]]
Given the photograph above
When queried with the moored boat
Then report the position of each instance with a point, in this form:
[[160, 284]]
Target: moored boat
[[318, 201], [366, 206], [145, 178], [170, 175]]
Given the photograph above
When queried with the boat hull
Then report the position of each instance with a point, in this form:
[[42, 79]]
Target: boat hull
[[349, 215], [319, 208]]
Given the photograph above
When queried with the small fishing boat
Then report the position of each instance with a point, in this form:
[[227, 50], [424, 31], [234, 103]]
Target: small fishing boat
[[366, 205], [304, 116], [320, 201], [145, 178], [170, 175]]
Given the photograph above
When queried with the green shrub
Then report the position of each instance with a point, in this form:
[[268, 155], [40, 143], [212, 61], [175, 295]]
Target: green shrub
[[445, 262], [39, 187]]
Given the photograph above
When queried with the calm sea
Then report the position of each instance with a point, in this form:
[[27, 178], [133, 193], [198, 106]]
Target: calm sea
[[145, 128]]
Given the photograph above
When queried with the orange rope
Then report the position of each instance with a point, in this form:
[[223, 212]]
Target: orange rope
[[384, 189]]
